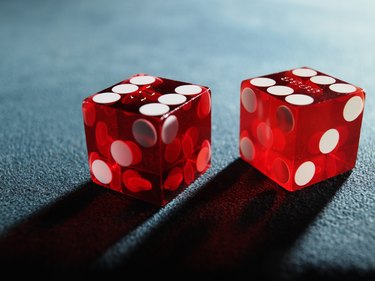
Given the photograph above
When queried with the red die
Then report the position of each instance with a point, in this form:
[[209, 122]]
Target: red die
[[300, 126], [148, 137]]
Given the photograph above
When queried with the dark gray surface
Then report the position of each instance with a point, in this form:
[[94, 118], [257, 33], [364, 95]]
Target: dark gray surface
[[232, 220]]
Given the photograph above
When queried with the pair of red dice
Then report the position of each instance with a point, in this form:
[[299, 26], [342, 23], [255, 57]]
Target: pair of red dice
[[150, 137]]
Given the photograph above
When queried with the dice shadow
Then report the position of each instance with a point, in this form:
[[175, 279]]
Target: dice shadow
[[68, 235], [239, 224]]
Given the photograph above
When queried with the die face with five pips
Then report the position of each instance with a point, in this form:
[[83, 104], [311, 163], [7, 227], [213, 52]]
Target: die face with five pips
[[148, 137], [300, 126]]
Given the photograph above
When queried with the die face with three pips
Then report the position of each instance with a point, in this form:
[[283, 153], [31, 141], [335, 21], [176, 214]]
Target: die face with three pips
[[148, 137], [300, 126]]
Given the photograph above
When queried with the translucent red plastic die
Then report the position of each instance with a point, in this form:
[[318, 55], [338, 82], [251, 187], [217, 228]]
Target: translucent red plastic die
[[300, 126], [148, 137]]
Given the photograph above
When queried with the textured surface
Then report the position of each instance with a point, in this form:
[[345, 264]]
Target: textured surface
[[232, 220]]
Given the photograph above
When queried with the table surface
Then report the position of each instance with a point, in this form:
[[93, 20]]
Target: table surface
[[232, 220]]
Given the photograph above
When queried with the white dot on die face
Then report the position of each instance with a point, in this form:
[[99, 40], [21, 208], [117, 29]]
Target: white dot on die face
[[304, 173], [142, 80], [121, 153], [353, 108], [101, 171], [203, 158], [169, 129], [172, 99], [280, 90], [265, 135], [125, 88], [304, 72], [249, 100], [285, 118], [262, 82], [204, 106], [144, 132], [106, 98], [342, 88], [188, 90], [329, 141], [281, 170], [299, 99], [323, 80], [154, 109], [247, 148]]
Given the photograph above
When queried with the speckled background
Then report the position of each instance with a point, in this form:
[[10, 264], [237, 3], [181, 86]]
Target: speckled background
[[232, 220]]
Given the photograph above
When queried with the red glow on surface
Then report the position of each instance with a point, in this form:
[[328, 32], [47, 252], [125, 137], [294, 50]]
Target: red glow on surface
[[136, 151], [189, 173], [172, 151], [174, 179], [187, 145], [134, 182]]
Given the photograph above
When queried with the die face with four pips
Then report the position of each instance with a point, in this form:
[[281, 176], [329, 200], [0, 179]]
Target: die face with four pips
[[148, 137], [300, 126]]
